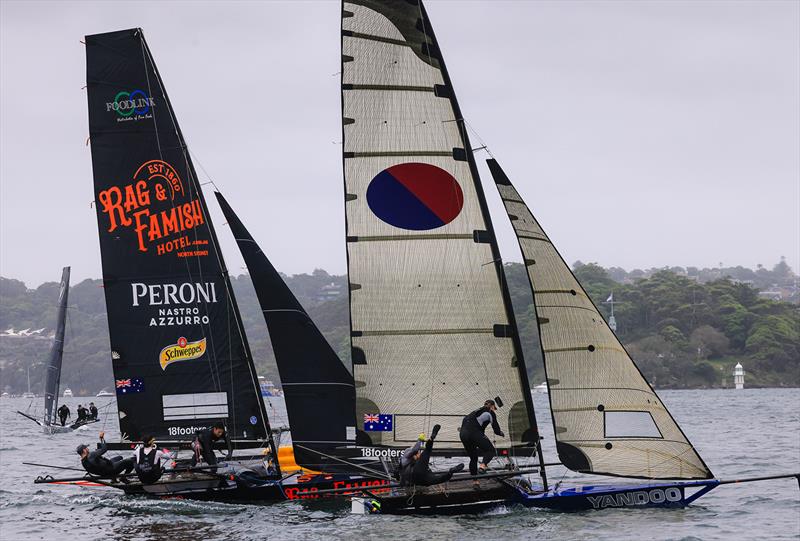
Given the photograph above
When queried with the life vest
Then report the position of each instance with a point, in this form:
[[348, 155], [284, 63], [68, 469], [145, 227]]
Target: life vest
[[146, 465]]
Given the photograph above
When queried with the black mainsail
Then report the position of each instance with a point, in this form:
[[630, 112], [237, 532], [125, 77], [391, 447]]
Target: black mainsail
[[180, 356], [433, 332], [53, 377], [606, 418], [318, 388]]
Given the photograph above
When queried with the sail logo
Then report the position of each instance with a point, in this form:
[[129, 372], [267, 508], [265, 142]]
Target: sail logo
[[415, 196], [655, 496], [133, 105], [183, 350], [155, 207], [376, 452]]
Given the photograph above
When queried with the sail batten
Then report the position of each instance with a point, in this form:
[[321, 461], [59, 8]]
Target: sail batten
[[607, 418], [433, 333], [180, 357]]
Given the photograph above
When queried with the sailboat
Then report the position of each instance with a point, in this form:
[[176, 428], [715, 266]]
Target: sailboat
[[180, 357], [431, 319], [49, 422]]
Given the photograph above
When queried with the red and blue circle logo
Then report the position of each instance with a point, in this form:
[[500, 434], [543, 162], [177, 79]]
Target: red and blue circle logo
[[416, 196]]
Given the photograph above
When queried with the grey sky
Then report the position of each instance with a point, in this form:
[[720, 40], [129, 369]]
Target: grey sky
[[640, 133]]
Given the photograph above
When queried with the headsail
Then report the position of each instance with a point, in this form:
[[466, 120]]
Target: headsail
[[433, 332], [180, 356], [53, 378], [318, 389], [606, 417]]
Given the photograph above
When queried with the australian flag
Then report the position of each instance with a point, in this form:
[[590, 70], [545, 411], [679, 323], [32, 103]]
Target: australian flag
[[128, 386], [377, 422]]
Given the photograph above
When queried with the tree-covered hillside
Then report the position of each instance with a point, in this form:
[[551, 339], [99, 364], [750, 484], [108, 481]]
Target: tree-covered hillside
[[682, 332]]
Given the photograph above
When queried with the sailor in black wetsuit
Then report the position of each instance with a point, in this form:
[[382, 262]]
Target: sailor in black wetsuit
[[63, 414], [95, 463], [474, 439], [81, 413], [92, 412], [418, 470], [203, 444]]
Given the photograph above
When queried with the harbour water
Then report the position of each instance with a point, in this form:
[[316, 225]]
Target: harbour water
[[752, 432]]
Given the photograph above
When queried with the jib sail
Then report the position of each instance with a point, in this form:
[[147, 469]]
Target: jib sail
[[53, 378], [433, 332], [181, 359], [606, 417], [318, 389]]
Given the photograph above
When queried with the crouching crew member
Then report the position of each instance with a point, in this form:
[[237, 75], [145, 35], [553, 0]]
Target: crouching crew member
[[148, 458], [203, 444]]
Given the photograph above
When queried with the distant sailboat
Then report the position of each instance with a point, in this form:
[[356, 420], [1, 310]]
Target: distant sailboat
[[53, 377]]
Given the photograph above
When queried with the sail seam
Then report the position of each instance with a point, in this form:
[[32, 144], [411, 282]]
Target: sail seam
[[423, 331], [404, 88], [448, 153], [410, 237]]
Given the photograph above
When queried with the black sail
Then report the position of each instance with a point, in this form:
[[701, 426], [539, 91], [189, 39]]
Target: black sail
[[53, 378], [318, 389], [180, 356]]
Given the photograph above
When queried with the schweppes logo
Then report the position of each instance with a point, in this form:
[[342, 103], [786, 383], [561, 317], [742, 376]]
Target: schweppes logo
[[182, 351]]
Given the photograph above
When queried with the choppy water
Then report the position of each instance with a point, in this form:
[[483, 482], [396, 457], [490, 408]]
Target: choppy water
[[739, 433]]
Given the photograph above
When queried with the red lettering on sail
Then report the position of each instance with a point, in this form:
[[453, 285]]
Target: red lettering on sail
[[155, 205]]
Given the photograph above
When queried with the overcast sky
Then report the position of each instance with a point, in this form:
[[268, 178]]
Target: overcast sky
[[640, 133]]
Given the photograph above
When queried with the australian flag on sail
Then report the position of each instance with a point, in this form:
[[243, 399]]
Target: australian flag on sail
[[377, 422], [131, 385]]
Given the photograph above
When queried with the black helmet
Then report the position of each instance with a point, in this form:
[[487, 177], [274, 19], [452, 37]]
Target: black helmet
[[81, 448]]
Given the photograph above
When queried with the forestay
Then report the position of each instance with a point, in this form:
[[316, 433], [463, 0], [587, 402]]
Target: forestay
[[180, 356], [433, 333], [606, 417], [53, 377]]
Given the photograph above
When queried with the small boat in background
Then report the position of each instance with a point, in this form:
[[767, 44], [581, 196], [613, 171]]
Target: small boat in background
[[67, 393], [28, 394], [105, 393], [53, 375]]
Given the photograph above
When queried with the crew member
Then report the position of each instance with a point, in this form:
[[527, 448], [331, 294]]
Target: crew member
[[148, 459], [92, 411], [474, 439], [81, 414], [203, 444], [95, 463], [63, 414], [418, 470]]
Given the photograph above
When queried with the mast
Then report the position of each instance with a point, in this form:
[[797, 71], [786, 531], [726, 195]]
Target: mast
[[53, 378], [318, 389], [607, 420], [180, 356], [433, 330]]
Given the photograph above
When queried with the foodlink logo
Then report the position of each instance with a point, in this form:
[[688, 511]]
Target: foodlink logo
[[182, 351], [130, 105], [155, 206], [640, 497]]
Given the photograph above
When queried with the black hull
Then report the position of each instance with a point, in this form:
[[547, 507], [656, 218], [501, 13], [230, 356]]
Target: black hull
[[453, 498]]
